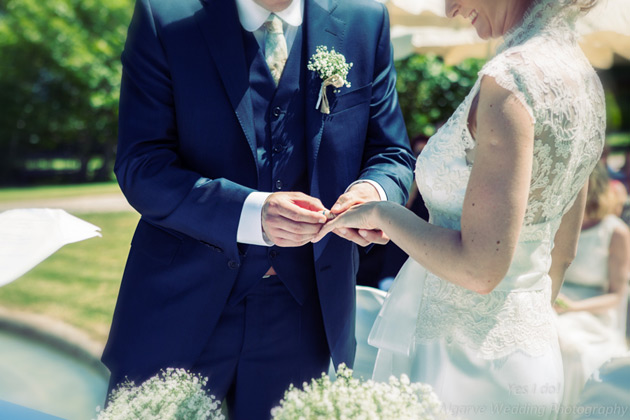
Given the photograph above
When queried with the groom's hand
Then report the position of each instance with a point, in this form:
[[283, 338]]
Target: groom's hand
[[358, 194], [292, 219]]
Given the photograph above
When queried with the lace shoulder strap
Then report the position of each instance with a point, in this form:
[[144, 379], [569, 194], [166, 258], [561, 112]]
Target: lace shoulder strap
[[506, 70]]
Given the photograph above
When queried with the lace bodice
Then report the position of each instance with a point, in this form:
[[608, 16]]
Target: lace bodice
[[542, 64]]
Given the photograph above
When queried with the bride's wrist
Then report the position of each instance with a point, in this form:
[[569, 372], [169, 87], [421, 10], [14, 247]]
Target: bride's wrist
[[376, 213]]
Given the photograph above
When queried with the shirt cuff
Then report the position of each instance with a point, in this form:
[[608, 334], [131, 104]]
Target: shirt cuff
[[381, 191], [250, 224]]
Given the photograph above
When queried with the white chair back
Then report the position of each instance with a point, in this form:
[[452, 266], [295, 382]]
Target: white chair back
[[607, 392], [369, 303]]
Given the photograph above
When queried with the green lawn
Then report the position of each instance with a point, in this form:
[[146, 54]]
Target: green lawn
[[64, 191], [79, 283]]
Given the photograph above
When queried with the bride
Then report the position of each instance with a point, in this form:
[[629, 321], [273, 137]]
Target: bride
[[505, 183]]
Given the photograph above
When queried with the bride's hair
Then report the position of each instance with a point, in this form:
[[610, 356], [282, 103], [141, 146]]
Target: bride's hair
[[600, 198], [584, 5]]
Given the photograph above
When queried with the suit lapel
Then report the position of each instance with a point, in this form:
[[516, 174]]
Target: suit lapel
[[322, 27], [221, 28]]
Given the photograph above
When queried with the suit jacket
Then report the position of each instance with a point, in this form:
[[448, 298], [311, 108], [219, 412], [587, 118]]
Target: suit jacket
[[186, 113]]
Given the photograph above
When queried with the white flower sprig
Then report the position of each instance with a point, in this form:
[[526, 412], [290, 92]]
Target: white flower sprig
[[329, 63], [348, 398], [173, 394], [332, 68]]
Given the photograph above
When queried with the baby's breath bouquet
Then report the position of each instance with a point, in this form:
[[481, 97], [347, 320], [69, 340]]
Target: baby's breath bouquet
[[349, 398], [329, 63], [173, 394], [332, 68]]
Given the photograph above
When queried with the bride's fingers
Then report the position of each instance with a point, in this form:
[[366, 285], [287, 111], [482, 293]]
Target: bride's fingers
[[325, 230], [352, 235], [362, 237], [374, 236]]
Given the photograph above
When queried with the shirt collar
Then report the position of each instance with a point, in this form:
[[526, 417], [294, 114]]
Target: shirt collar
[[252, 15]]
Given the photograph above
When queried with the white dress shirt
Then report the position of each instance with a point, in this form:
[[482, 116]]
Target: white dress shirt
[[252, 17]]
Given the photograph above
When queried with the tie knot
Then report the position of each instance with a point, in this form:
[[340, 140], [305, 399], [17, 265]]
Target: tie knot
[[273, 24]]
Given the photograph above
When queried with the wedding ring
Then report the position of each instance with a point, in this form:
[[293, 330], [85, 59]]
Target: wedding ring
[[329, 214]]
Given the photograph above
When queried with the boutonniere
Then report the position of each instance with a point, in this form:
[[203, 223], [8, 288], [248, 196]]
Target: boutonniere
[[332, 68]]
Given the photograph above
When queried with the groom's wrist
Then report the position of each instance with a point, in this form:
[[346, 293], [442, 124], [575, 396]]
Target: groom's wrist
[[380, 192]]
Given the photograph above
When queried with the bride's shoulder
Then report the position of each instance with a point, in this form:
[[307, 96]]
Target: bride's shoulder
[[510, 70], [532, 69], [543, 59]]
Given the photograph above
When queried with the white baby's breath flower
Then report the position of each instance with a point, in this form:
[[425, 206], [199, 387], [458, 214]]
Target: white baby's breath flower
[[332, 68], [329, 63], [349, 398], [173, 394]]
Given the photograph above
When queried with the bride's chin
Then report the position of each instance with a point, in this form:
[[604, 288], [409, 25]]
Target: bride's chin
[[483, 31], [483, 34]]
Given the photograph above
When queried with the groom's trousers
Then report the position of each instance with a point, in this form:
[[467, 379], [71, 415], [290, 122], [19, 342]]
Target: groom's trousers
[[261, 344]]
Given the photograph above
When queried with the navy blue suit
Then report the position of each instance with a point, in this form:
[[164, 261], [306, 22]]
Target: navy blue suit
[[201, 127]]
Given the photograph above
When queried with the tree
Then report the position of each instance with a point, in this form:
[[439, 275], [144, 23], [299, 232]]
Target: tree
[[59, 82], [429, 91]]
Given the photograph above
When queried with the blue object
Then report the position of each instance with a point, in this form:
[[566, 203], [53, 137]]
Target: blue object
[[606, 394], [10, 411]]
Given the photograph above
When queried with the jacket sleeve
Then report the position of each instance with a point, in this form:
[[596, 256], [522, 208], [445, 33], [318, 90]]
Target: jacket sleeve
[[387, 158], [151, 173]]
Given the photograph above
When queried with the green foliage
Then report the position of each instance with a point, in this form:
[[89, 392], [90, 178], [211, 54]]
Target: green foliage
[[614, 118], [429, 91], [616, 81], [59, 81], [618, 140]]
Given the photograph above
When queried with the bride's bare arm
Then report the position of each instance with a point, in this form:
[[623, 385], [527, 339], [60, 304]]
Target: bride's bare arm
[[478, 256], [565, 242]]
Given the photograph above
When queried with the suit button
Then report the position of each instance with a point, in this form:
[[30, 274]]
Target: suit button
[[276, 112], [278, 184], [233, 265], [273, 254], [278, 148]]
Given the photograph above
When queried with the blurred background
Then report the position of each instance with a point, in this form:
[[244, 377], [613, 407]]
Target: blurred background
[[59, 82]]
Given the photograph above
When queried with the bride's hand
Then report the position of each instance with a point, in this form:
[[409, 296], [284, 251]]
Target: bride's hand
[[359, 193], [360, 217]]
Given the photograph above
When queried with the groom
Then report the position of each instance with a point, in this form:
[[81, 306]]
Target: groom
[[233, 169]]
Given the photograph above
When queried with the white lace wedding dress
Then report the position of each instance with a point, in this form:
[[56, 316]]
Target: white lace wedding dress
[[496, 355]]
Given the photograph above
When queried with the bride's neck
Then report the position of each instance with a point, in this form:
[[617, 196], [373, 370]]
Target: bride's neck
[[515, 14]]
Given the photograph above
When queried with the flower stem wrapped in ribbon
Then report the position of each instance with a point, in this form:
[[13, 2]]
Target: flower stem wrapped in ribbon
[[334, 80], [332, 68]]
